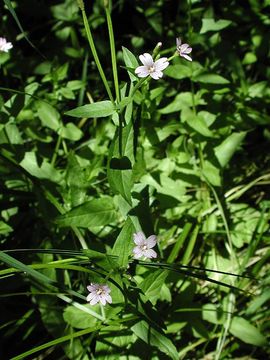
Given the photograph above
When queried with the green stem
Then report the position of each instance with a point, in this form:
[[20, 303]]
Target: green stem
[[113, 53], [95, 55]]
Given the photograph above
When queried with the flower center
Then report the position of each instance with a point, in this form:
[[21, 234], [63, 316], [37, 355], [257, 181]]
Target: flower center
[[100, 292], [144, 247], [151, 69]]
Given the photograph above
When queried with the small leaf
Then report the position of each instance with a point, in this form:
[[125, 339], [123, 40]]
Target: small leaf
[[178, 71], [211, 173], [124, 243], [152, 284], [212, 25], [43, 171], [71, 132], [130, 62], [96, 110], [48, 115], [208, 78], [246, 332], [198, 124], [97, 212], [228, 147]]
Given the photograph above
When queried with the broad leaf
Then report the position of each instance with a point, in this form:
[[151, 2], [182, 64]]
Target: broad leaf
[[97, 212], [243, 330], [153, 337]]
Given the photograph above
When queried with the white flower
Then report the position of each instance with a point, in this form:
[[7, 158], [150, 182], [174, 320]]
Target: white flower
[[151, 67], [4, 45], [99, 293], [144, 246], [183, 49]]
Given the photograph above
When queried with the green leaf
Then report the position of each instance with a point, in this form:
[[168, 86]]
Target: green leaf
[[182, 101], [5, 228], [208, 78], [130, 62], [178, 71], [120, 167], [198, 124], [228, 147], [48, 115], [96, 110], [44, 171], [78, 318], [124, 243], [153, 337], [212, 25], [211, 173], [71, 132], [152, 284], [97, 212], [243, 330]]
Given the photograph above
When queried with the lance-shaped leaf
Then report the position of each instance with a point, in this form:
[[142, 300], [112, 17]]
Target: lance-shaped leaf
[[94, 110], [97, 212]]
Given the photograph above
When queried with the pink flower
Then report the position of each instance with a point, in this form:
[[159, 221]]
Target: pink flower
[[4, 45], [183, 49], [151, 67], [99, 293], [144, 246]]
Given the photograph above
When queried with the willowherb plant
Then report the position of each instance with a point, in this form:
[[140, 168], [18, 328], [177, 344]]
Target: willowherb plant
[[141, 157]]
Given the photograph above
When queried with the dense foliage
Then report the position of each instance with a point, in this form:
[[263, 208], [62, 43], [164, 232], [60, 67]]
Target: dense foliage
[[91, 154]]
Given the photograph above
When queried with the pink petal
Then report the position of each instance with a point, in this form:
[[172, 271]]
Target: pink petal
[[137, 252], [92, 287], [188, 50], [161, 64], [108, 298], [90, 296], [146, 59], [102, 300], [150, 254], [178, 42], [95, 300], [156, 74], [151, 241], [186, 57], [139, 238], [142, 71], [184, 47], [138, 255], [106, 288]]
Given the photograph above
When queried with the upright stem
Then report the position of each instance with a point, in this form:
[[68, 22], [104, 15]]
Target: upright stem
[[94, 52], [113, 52]]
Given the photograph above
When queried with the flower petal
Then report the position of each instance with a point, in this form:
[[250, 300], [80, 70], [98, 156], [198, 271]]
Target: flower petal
[[142, 71], [92, 287], [95, 300], [146, 59], [91, 296], [102, 299], [106, 288], [161, 64], [108, 298], [151, 241], [188, 50], [186, 57], [183, 47], [139, 238], [178, 42], [156, 74], [138, 255], [150, 253]]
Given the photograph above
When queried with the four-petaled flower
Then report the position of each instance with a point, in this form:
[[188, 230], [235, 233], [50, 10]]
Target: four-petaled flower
[[151, 67], [144, 246], [99, 293], [183, 49], [4, 45]]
